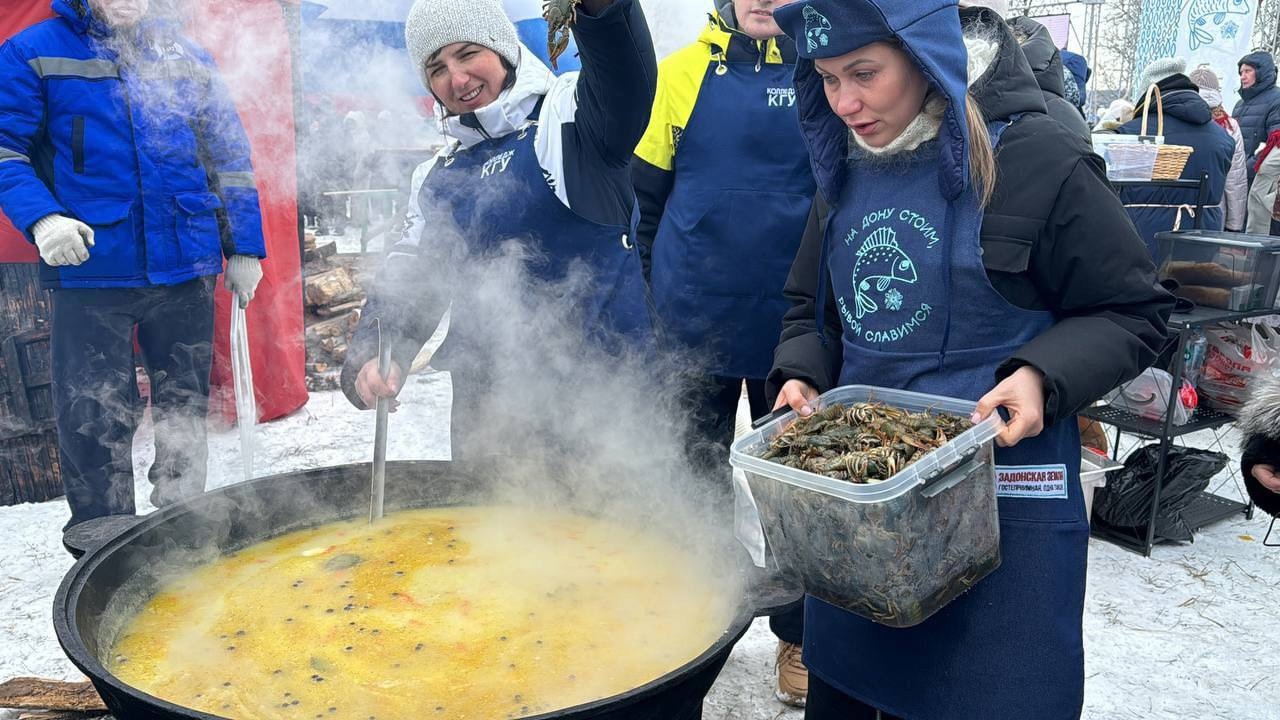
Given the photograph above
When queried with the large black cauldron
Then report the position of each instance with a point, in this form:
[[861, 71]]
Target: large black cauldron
[[107, 586]]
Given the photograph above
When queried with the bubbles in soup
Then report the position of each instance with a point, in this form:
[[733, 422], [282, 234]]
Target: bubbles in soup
[[454, 613]]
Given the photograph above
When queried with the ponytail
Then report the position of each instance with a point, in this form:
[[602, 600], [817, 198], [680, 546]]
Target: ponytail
[[982, 157]]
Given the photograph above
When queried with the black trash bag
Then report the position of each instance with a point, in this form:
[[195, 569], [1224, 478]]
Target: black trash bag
[[1125, 501]]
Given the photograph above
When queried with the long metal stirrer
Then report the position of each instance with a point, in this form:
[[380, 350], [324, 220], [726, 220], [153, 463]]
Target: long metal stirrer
[[380, 433]]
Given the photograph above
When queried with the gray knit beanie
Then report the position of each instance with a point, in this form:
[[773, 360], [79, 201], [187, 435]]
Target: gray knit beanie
[[1160, 69], [434, 24]]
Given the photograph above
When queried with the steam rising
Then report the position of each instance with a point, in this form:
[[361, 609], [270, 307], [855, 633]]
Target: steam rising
[[576, 419]]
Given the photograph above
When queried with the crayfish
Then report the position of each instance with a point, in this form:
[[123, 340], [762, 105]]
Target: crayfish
[[559, 15], [862, 443]]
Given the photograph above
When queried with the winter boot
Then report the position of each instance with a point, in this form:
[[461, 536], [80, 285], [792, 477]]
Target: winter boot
[[793, 676]]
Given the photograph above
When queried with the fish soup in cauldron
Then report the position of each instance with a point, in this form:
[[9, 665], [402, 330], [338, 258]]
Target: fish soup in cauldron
[[463, 612]]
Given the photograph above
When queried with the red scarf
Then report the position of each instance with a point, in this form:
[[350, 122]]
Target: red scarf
[[1272, 141]]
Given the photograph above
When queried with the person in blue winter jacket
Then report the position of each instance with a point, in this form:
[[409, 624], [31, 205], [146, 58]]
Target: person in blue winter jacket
[[725, 190], [123, 159], [1187, 121], [531, 159], [1258, 110], [965, 245]]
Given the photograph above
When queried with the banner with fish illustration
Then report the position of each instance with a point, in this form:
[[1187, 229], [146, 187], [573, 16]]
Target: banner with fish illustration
[[1156, 37], [1203, 32], [1217, 33]]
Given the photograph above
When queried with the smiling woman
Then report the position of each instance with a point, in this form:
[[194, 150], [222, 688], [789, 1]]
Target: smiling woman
[[533, 160], [466, 76]]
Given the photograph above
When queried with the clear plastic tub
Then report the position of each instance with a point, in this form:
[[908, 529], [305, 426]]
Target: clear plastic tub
[[1225, 270], [894, 552], [1131, 161]]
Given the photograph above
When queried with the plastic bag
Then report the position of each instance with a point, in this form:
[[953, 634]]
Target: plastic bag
[[746, 520], [242, 378], [1237, 355], [1147, 396], [1125, 501]]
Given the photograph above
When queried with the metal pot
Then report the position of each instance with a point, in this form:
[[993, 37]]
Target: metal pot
[[115, 577]]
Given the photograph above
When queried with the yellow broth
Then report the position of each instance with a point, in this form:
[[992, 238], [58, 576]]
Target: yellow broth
[[455, 613]]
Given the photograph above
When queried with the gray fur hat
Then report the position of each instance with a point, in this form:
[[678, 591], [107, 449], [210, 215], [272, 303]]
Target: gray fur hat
[[434, 24]]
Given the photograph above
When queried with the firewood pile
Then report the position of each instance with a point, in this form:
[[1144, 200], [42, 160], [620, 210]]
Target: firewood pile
[[38, 699], [333, 293]]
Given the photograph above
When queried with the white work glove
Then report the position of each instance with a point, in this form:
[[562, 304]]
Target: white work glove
[[62, 240], [244, 272]]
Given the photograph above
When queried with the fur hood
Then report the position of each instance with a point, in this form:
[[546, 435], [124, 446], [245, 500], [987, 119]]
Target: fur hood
[[1261, 416]]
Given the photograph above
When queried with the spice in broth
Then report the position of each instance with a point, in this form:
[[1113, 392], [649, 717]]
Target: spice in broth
[[482, 612]]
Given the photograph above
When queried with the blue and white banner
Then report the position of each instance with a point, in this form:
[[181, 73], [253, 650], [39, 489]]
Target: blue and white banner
[[1203, 32], [1217, 33]]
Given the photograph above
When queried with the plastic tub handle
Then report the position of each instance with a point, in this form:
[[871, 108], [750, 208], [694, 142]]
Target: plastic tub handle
[[771, 417], [933, 487]]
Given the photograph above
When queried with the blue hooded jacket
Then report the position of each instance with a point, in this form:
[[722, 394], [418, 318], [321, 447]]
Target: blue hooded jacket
[[150, 154], [1258, 111], [1080, 72], [929, 34]]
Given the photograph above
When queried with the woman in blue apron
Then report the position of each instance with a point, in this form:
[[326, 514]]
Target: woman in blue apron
[[1009, 277], [534, 159], [725, 190]]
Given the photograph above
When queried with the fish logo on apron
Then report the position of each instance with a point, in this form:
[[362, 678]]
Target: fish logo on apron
[[886, 300], [882, 262]]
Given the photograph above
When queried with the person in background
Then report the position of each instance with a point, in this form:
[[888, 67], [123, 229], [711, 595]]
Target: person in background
[[1045, 59], [123, 159], [358, 153], [1263, 193], [1046, 62], [1235, 198], [1260, 426], [556, 151], [1187, 121], [724, 186], [1258, 110], [1012, 264], [1077, 67], [1119, 112]]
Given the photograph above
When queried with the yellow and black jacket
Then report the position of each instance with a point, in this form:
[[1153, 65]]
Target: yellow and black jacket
[[724, 186]]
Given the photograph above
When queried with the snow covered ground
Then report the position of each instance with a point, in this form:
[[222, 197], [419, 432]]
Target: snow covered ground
[[1193, 632]]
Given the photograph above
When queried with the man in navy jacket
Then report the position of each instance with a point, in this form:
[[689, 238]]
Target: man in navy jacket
[[122, 158]]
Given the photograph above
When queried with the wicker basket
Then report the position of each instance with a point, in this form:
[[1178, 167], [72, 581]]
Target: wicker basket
[[1171, 160]]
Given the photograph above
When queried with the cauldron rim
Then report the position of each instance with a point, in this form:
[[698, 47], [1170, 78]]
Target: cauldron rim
[[75, 580]]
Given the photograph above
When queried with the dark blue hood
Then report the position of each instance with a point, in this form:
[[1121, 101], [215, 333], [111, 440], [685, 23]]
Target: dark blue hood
[[81, 17], [929, 30], [1265, 67], [1188, 106], [1079, 69]]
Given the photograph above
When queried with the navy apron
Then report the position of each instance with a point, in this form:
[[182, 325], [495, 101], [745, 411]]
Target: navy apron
[[497, 192], [734, 218], [920, 314]]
